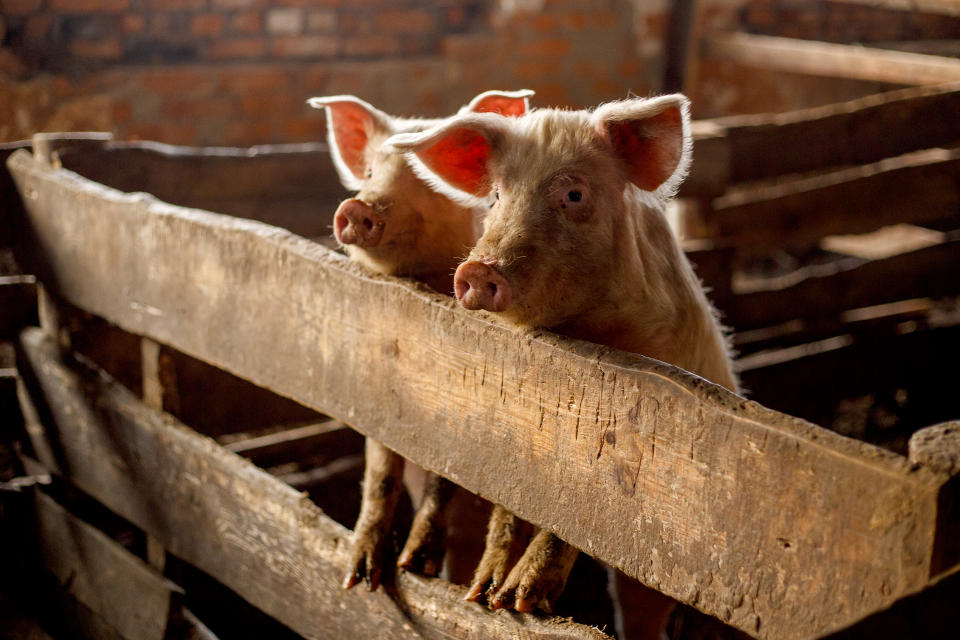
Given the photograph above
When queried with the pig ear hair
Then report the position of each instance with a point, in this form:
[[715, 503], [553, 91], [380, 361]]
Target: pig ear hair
[[651, 138], [350, 124], [506, 103], [453, 157]]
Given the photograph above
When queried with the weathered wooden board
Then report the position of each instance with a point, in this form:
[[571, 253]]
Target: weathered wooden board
[[119, 587], [831, 60], [826, 290], [943, 7], [916, 188], [776, 526], [320, 442], [259, 537], [290, 186], [860, 131]]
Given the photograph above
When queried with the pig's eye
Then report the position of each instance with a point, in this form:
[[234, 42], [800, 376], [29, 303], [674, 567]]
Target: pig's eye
[[574, 196], [369, 173], [496, 194]]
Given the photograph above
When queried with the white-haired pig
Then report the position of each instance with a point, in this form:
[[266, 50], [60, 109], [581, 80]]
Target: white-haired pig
[[577, 242], [397, 225]]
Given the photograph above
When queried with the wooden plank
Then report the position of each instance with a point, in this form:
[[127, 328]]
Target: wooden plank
[[320, 442], [116, 585], [675, 481], [826, 290], [941, 7], [917, 188], [831, 60], [218, 512], [860, 131], [292, 186]]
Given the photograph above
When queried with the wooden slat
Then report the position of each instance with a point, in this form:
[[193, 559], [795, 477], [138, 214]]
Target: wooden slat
[[218, 512], [320, 443], [292, 186], [831, 60], [941, 7], [860, 131], [916, 188], [851, 284], [119, 587], [772, 524]]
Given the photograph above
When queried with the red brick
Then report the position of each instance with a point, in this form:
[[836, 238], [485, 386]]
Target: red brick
[[313, 46], [20, 7], [246, 22], [133, 23], [104, 49], [176, 79], [304, 129], [207, 25], [204, 109], [322, 20], [237, 48], [544, 47], [304, 3], [405, 21], [537, 70], [176, 5], [253, 79], [85, 6], [468, 45], [261, 105], [371, 45], [545, 22], [239, 4]]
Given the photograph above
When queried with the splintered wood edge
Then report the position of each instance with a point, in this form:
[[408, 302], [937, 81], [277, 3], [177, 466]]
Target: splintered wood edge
[[250, 509]]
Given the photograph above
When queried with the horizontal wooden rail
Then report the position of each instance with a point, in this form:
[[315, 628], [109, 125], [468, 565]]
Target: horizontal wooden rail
[[852, 284], [261, 538], [942, 7], [919, 188], [831, 60], [778, 527], [291, 186], [859, 131]]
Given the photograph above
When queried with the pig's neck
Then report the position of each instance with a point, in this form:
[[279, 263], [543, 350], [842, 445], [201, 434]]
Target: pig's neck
[[655, 304], [441, 282]]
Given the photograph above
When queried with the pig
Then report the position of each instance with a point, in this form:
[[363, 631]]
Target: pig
[[576, 241], [397, 225]]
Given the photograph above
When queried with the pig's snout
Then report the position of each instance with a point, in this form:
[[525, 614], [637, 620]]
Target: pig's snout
[[356, 222], [480, 286]]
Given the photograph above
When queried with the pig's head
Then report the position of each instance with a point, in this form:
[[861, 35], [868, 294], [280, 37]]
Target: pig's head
[[395, 223], [563, 230]]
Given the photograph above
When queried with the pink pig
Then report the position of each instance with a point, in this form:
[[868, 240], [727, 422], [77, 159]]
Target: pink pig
[[577, 242], [397, 225]]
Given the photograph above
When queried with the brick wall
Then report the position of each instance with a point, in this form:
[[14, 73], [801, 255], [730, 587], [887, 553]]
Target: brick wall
[[237, 72]]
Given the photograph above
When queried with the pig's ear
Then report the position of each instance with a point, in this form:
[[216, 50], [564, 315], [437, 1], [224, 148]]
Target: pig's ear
[[453, 157], [506, 103], [651, 138], [351, 123]]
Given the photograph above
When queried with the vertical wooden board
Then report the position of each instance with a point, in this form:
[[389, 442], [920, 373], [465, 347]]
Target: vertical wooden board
[[256, 535], [772, 524], [102, 575]]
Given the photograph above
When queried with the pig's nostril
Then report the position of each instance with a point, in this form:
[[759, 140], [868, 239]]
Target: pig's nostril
[[368, 223], [492, 288]]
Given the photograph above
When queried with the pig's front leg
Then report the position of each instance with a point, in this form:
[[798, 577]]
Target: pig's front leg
[[506, 536], [539, 576], [381, 490], [423, 553]]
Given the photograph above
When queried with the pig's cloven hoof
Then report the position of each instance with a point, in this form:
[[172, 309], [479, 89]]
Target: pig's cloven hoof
[[538, 578], [423, 553], [365, 560]]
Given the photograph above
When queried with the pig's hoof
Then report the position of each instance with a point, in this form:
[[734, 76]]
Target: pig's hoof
[[425, 558], [364, 563], [538, 578]]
